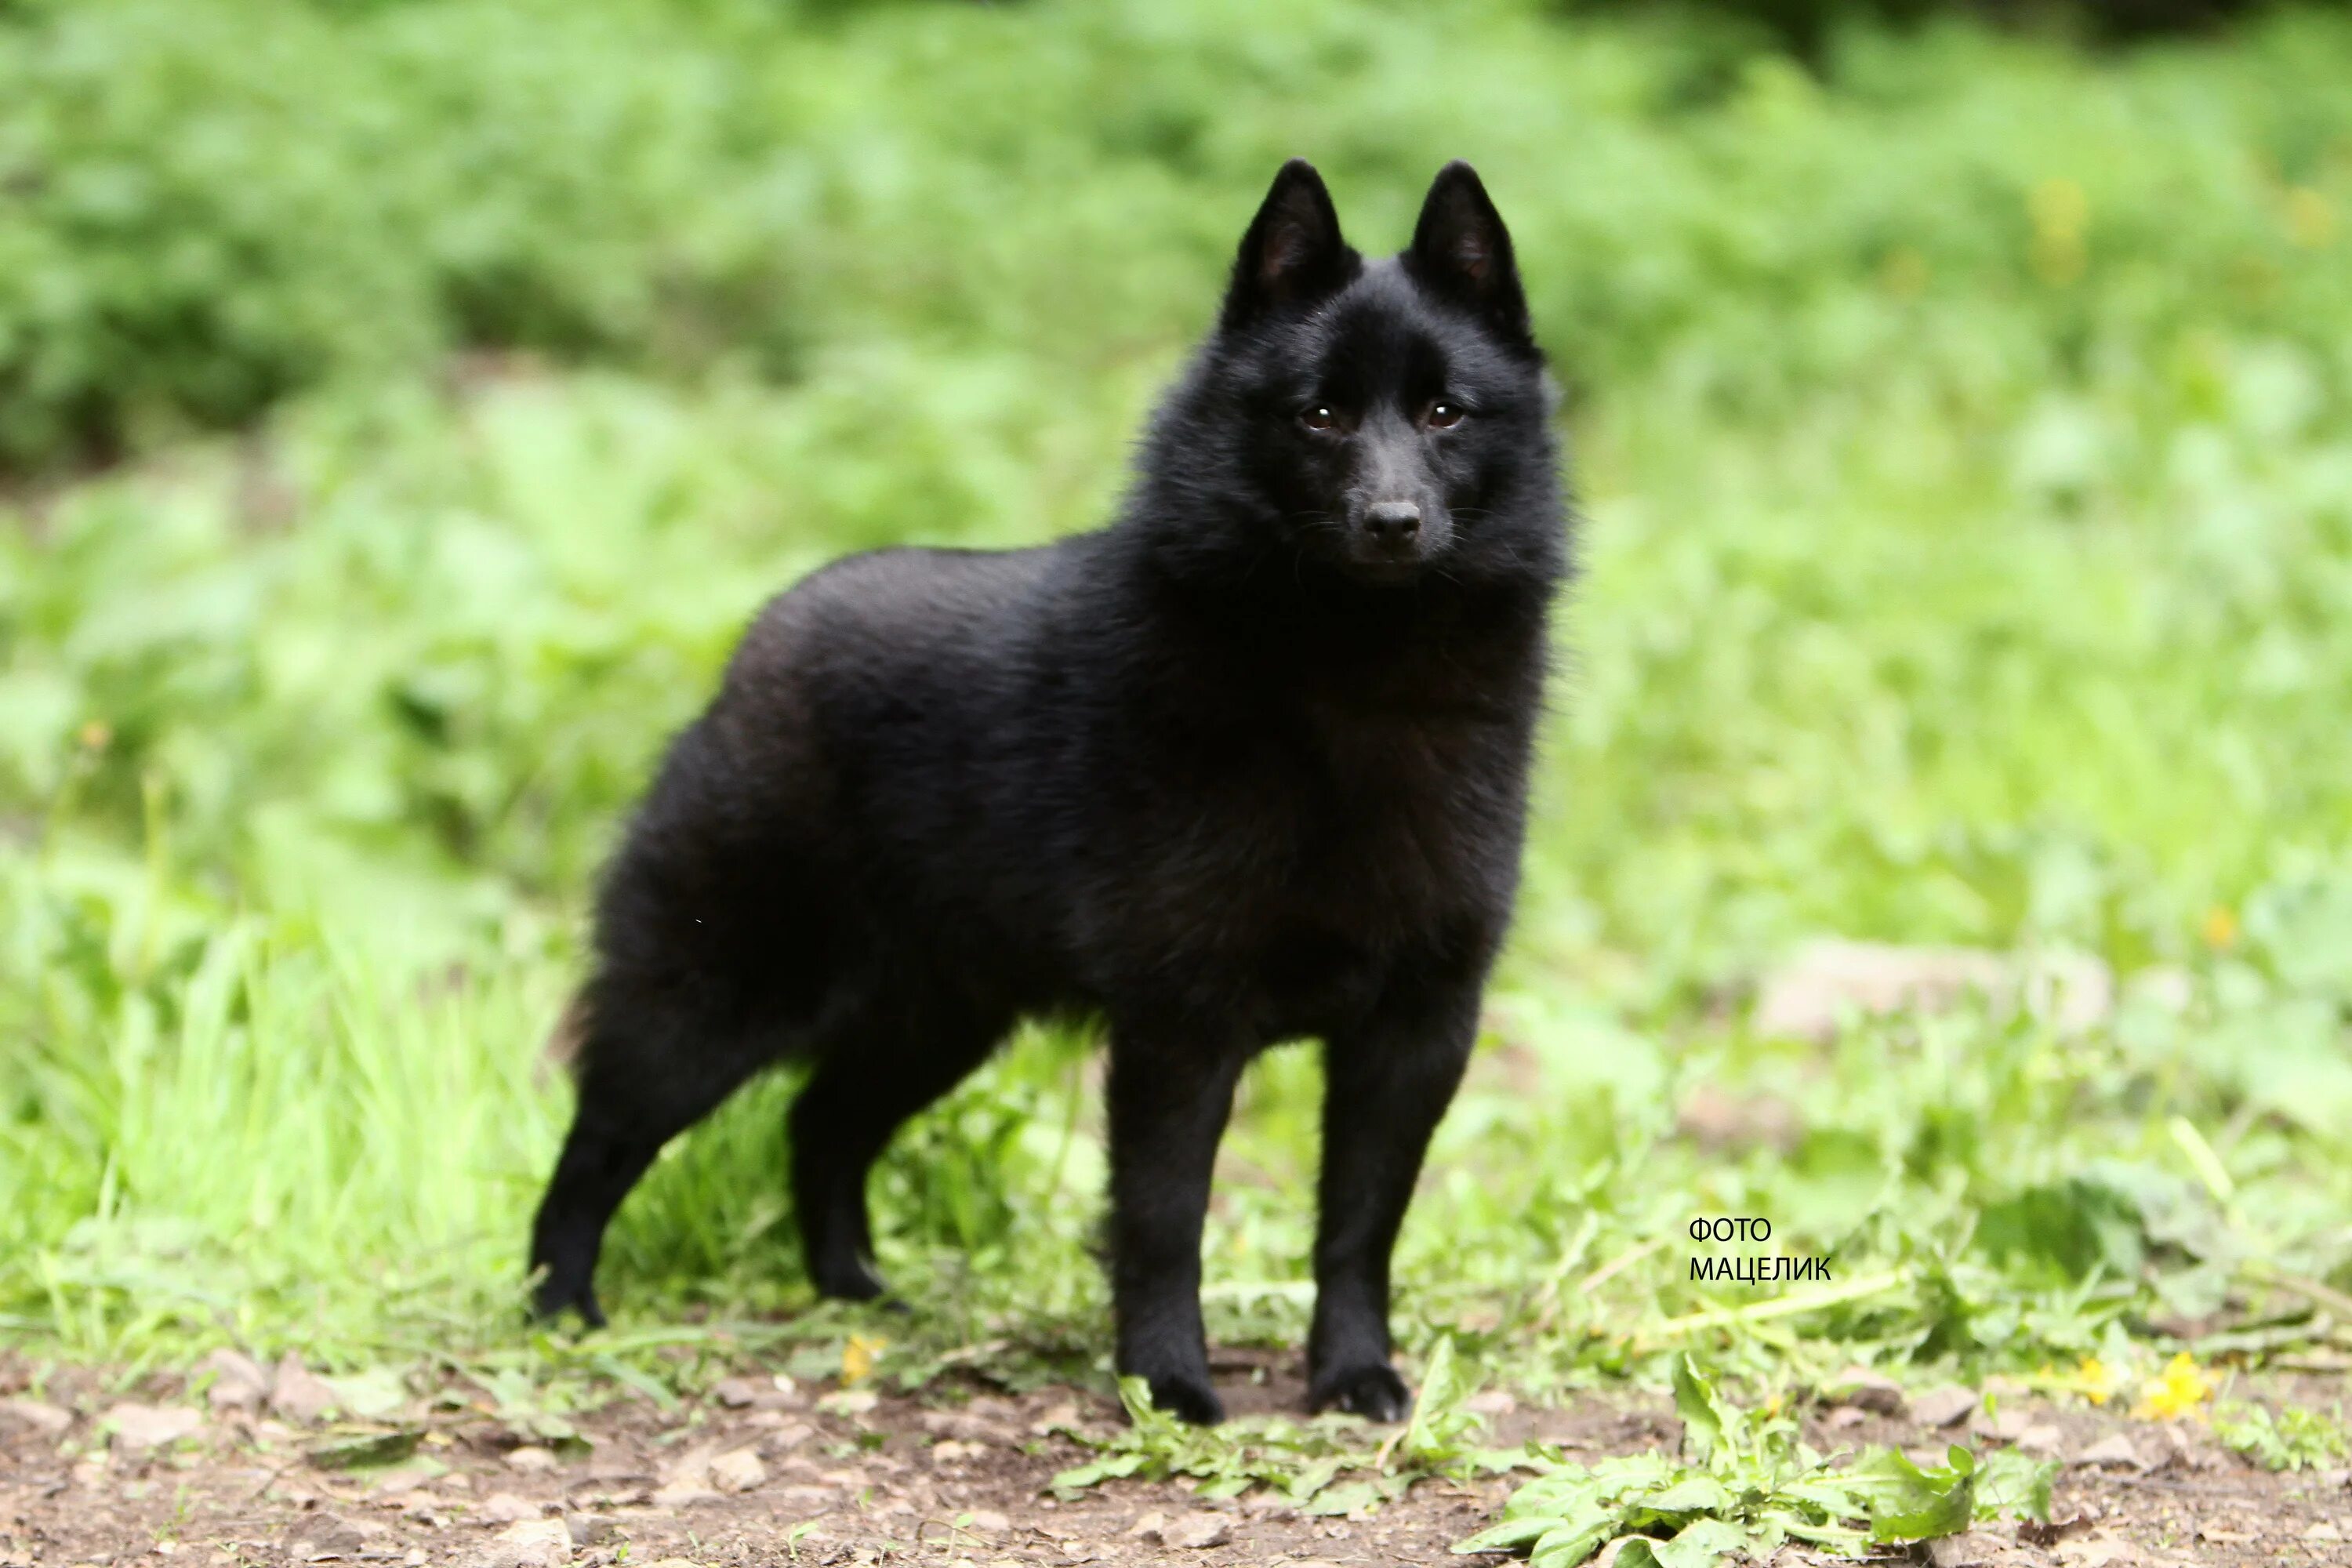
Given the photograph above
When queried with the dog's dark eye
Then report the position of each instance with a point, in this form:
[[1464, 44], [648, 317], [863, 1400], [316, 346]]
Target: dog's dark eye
[[1320, 418], [1443, 416]]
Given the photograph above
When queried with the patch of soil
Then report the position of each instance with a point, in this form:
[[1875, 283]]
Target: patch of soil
[[755, 1473]]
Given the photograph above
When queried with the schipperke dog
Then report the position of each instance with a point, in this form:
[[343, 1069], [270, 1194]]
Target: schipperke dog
[[1249, 765]]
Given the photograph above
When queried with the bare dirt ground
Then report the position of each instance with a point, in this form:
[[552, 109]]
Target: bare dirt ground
[[95, 1471]]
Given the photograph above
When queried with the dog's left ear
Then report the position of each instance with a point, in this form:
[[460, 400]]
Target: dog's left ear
[[1461, 251]]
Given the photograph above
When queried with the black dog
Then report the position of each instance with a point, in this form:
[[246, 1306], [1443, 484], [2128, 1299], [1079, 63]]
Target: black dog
[[1249, 765]]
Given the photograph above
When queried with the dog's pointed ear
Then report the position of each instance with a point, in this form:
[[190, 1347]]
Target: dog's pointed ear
[[1461, 251], [1293, 253]]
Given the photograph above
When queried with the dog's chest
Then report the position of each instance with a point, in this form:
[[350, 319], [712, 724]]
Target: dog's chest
[[1321, 831]]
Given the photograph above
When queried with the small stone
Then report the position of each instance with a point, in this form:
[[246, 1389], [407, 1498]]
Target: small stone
[[2043, 1440], [2323, 1531], [298, 1395], [1809, 997], [410, 1476], [1865, 1389], [2113, 1450], [1973, 1549], [691, 1468], [1716, 1120], [1844, 1418], [684, 1494], [735, 1392], [1199, 1532], [505, 1507], [137, 1427], [328, 1536], [46, 1419], [2005, 1427], [1064, 1415], [590, 1530], [739, 1472], [1945, 1406], [1492, 1402], [784, 1438], [989, 1520], [850, 1402], [1150, 1527], [239, 1381], [2098, 1552], [533, 1543], [2181, 1451], [532, 1460]]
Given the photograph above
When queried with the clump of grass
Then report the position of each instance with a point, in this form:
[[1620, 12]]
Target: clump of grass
[[1746, 1485], [2297, 1438], [1333, 1463]]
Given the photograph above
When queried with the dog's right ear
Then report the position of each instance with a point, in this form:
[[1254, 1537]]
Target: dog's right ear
[[1293, 253]]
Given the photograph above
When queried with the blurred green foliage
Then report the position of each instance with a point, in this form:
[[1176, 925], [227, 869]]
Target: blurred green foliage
[[203, 215], [1806, 27], [1962, 427]]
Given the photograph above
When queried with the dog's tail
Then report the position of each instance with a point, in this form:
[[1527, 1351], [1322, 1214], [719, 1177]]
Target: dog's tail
[[562, 1051]]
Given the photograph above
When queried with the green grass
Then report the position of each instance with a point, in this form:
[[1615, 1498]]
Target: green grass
[[1969, 558], [1746, 1485]]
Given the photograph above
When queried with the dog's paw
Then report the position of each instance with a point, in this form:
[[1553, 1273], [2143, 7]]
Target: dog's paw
[[1188, 1397], [1374, 1391], [849, 1279], [552, 1300]]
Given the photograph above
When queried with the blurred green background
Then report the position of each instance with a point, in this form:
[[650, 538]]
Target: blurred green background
[[404, 404]]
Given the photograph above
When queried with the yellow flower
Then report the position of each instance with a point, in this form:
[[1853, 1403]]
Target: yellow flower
[[2094, 1380], [2221, 929], [2183, 1387], [857, 1358]]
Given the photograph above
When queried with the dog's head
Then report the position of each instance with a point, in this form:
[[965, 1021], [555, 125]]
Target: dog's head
[[1376, 423]]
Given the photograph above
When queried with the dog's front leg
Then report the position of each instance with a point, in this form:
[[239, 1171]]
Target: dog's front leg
[[1387, 1082], [1169, 1100]]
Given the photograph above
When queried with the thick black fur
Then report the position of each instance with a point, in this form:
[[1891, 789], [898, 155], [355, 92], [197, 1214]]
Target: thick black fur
[[1249, 765]]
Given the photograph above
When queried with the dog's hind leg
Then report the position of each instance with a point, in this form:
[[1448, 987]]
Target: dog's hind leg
[[873, 1073], [643, 1079]]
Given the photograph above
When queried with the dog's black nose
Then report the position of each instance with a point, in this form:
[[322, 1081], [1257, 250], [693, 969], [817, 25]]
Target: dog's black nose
[[1393, 523]]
